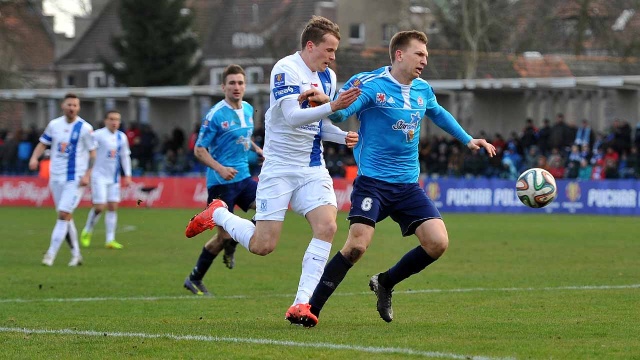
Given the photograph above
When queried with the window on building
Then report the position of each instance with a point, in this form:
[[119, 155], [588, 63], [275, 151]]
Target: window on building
[[215, 76], [69, 81], [97, 79], [356, 33], [255, 75], [388, 30]]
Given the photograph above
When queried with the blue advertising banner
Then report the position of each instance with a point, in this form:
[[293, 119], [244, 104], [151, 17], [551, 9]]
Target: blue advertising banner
[[605, 197]]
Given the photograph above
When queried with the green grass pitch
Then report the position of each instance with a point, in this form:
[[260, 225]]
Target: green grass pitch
[[510, 286]]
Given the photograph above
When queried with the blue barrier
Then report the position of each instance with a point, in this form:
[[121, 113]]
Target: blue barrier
[[606, 197]]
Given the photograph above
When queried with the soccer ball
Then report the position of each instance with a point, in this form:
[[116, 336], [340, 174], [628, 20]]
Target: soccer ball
[[536, 188]]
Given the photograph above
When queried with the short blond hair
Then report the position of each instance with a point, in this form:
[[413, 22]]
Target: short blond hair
[[401, 40], [316, 29]]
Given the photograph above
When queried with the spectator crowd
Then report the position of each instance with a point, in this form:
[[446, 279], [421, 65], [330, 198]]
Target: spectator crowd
[[562, 148]]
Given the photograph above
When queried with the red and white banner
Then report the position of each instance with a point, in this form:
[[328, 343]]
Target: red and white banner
[[157, 192]]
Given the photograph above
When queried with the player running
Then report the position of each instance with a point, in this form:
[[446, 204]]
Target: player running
[[112, 156]]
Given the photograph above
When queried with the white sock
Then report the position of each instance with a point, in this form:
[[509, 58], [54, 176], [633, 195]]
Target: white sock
[[73, 235], [313, 263], [110, 222], [92, 220], [57, 236], [241, 230]]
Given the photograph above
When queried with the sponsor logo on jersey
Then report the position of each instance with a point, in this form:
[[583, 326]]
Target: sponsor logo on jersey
[[278, 79], [282, 91], [408, 128], [381, 98], [64, 148]]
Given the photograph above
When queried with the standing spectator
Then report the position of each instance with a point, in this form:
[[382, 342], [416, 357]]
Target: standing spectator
[[584, 136], [529, 135], [543, 137], [559, 134]]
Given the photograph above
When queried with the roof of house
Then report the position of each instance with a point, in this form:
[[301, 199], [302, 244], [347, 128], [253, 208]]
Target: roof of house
[[28, 34]]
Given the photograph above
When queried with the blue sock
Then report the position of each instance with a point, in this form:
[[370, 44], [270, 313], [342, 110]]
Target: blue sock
[[333, 274], [202, 266], [411, 263]]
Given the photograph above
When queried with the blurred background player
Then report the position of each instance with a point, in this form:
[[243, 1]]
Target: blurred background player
[[112, 156], [294, 172], [390, 109], [72, 157], [223, 143]]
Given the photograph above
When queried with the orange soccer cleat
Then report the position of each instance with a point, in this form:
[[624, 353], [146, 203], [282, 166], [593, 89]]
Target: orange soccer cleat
[[204, 220], [300, 314]]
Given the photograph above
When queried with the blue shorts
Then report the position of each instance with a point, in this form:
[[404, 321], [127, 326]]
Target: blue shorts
[[241, 193], [373, 200]]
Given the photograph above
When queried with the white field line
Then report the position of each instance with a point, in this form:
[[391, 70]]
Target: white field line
[[425, 291], [203, 338]]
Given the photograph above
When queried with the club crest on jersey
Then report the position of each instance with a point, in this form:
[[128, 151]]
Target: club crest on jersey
[[381, 98], [355, 83], [420, 101], [225, 125], [278, 79]]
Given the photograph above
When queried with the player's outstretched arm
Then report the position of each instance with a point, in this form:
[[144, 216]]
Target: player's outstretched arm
[[476, 144]]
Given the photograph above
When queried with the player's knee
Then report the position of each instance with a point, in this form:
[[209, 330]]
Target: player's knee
[[325, 230], [261, 248], [354, 253], [437, 245]]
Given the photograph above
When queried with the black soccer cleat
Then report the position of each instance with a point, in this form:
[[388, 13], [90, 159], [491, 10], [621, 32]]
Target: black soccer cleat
[[229, 258], [384, 298]]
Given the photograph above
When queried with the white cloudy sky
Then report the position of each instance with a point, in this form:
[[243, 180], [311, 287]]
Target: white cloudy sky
[[63, 12]]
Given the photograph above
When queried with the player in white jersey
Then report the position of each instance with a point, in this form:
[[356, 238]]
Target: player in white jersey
[[72, 157], [112, 156], [293, 172]]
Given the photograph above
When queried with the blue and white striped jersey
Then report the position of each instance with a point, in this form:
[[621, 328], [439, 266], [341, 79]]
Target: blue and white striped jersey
[[112, 155], [70, 146]]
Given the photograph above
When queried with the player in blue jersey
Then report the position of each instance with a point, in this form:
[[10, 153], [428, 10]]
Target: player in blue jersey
[[223, 143], [390, 109]]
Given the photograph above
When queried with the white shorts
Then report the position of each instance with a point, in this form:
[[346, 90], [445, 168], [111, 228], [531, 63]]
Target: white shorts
[[103, 190], [66, 194], [305, 188]]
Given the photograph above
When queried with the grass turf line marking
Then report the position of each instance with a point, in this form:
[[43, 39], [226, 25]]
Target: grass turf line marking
[[328, 346], [426, 291]]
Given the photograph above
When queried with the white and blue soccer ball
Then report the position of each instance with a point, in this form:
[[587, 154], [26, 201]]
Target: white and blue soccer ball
[[536, 188]]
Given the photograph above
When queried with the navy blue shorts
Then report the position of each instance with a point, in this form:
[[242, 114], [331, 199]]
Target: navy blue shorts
[[241, 193], [373, 200]]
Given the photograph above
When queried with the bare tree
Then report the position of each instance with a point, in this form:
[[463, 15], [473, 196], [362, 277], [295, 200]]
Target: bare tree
[[476, 26]]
